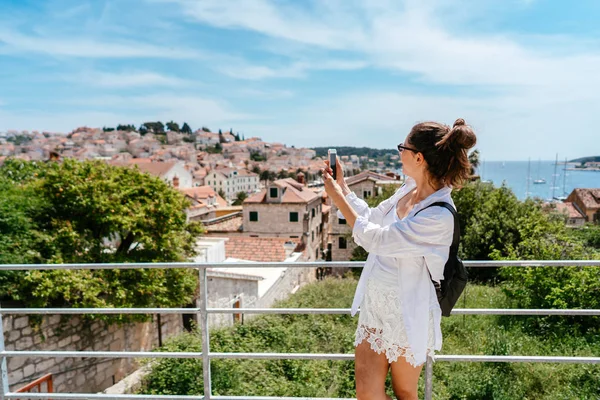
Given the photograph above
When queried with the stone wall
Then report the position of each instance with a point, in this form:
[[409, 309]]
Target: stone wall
[[288, 283], [84, 375]]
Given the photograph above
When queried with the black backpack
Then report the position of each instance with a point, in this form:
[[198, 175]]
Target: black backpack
[[455, 273]]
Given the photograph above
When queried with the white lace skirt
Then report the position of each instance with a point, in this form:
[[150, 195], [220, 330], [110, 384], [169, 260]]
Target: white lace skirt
[[381, 323]]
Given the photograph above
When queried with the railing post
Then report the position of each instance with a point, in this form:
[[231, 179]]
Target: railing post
[[4, 390], [429, 379], [204, 332]]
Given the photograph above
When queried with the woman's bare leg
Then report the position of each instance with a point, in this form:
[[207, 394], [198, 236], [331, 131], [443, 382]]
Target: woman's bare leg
[[370, 372], [405, 379]]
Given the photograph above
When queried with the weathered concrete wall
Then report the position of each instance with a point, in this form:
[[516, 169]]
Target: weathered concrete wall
[[85, 375]]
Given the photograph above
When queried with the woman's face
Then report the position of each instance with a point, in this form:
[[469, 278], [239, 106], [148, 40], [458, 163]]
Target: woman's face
[[409, 159]]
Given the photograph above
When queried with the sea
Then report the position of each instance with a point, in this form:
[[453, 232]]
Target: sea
[[519, 176]]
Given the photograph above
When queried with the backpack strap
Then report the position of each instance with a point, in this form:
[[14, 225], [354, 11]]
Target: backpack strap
[[456, 237]]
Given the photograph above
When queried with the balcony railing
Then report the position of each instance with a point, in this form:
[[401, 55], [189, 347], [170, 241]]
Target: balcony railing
[[203, 311]]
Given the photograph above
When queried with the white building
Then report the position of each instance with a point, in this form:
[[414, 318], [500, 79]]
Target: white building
[[231, 181]]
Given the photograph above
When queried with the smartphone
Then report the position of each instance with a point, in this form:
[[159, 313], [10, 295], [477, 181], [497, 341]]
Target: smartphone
[[332, 153]]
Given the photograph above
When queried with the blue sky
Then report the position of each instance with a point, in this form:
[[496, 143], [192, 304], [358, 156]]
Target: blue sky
[[523, 73]]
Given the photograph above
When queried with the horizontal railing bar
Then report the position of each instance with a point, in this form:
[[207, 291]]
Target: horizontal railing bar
[[519, 359], [57, 311], [523, 311], [286, 356], [283, 356], [456, 311], [349, 357], [276, 398], [278, 310], [99, 354], [96, 396], [330, 264]]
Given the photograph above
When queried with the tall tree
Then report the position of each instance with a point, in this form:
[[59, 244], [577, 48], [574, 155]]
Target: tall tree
[[239, 198], [173, 126], [474, 160], [186, 128]]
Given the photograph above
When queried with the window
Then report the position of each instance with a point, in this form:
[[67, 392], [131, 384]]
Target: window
[[342, 243], [366, 194], [253, 216], [341, 221], [313, 236], [313, 212], [293, 216], [273, 193]]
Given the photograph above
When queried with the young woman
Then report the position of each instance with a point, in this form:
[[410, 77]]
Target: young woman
[[399, 322]]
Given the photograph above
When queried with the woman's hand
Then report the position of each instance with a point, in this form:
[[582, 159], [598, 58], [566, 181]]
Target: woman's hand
[[332, 187], [339, 177]]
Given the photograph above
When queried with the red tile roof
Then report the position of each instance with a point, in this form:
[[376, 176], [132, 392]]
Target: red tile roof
[[228, 225], [270, 249], [293, 192], [367, 175], [589, 197], [569, 210], [156, 168]]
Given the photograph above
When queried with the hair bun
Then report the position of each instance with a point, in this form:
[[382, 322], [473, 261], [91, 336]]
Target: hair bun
[[462, 134], [459, 122]]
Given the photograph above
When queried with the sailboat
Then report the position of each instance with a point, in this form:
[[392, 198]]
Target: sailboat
[[539, 181]]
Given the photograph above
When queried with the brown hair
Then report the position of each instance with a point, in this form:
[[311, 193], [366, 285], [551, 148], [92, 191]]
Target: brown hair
[[445, 149]]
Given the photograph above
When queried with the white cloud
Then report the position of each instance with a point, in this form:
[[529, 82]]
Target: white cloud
[[13, 42], [409, 36], [129, 79]]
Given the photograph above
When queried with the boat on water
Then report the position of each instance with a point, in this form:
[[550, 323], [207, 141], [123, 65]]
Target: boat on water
[[539, 181]]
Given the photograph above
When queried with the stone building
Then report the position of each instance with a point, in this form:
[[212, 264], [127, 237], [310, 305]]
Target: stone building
[[286, 208]]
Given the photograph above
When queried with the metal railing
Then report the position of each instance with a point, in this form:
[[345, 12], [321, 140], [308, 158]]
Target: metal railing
[[203, 312]]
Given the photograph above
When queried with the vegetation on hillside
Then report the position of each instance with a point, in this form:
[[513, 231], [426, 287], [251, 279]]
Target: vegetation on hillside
[[335, 334]]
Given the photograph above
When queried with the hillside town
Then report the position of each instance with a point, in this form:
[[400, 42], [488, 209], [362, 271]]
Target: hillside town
[[248, 191]]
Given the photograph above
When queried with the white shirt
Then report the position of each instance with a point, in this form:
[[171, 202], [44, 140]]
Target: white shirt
[[414, 245]]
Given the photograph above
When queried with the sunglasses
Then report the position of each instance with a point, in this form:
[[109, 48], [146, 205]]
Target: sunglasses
[[402, 147]]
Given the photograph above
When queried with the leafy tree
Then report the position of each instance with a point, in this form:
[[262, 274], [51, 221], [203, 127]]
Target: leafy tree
[[107, 129], [126, 128], [143, 130], [237, 137], [474, 160], [154, 127], [220, 133], [267, 176], [173, 126], [221, 193], [205, 129], [239, 198], [257, 156], [256, 169], [282, 174], [90, 212], [186, 128]]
